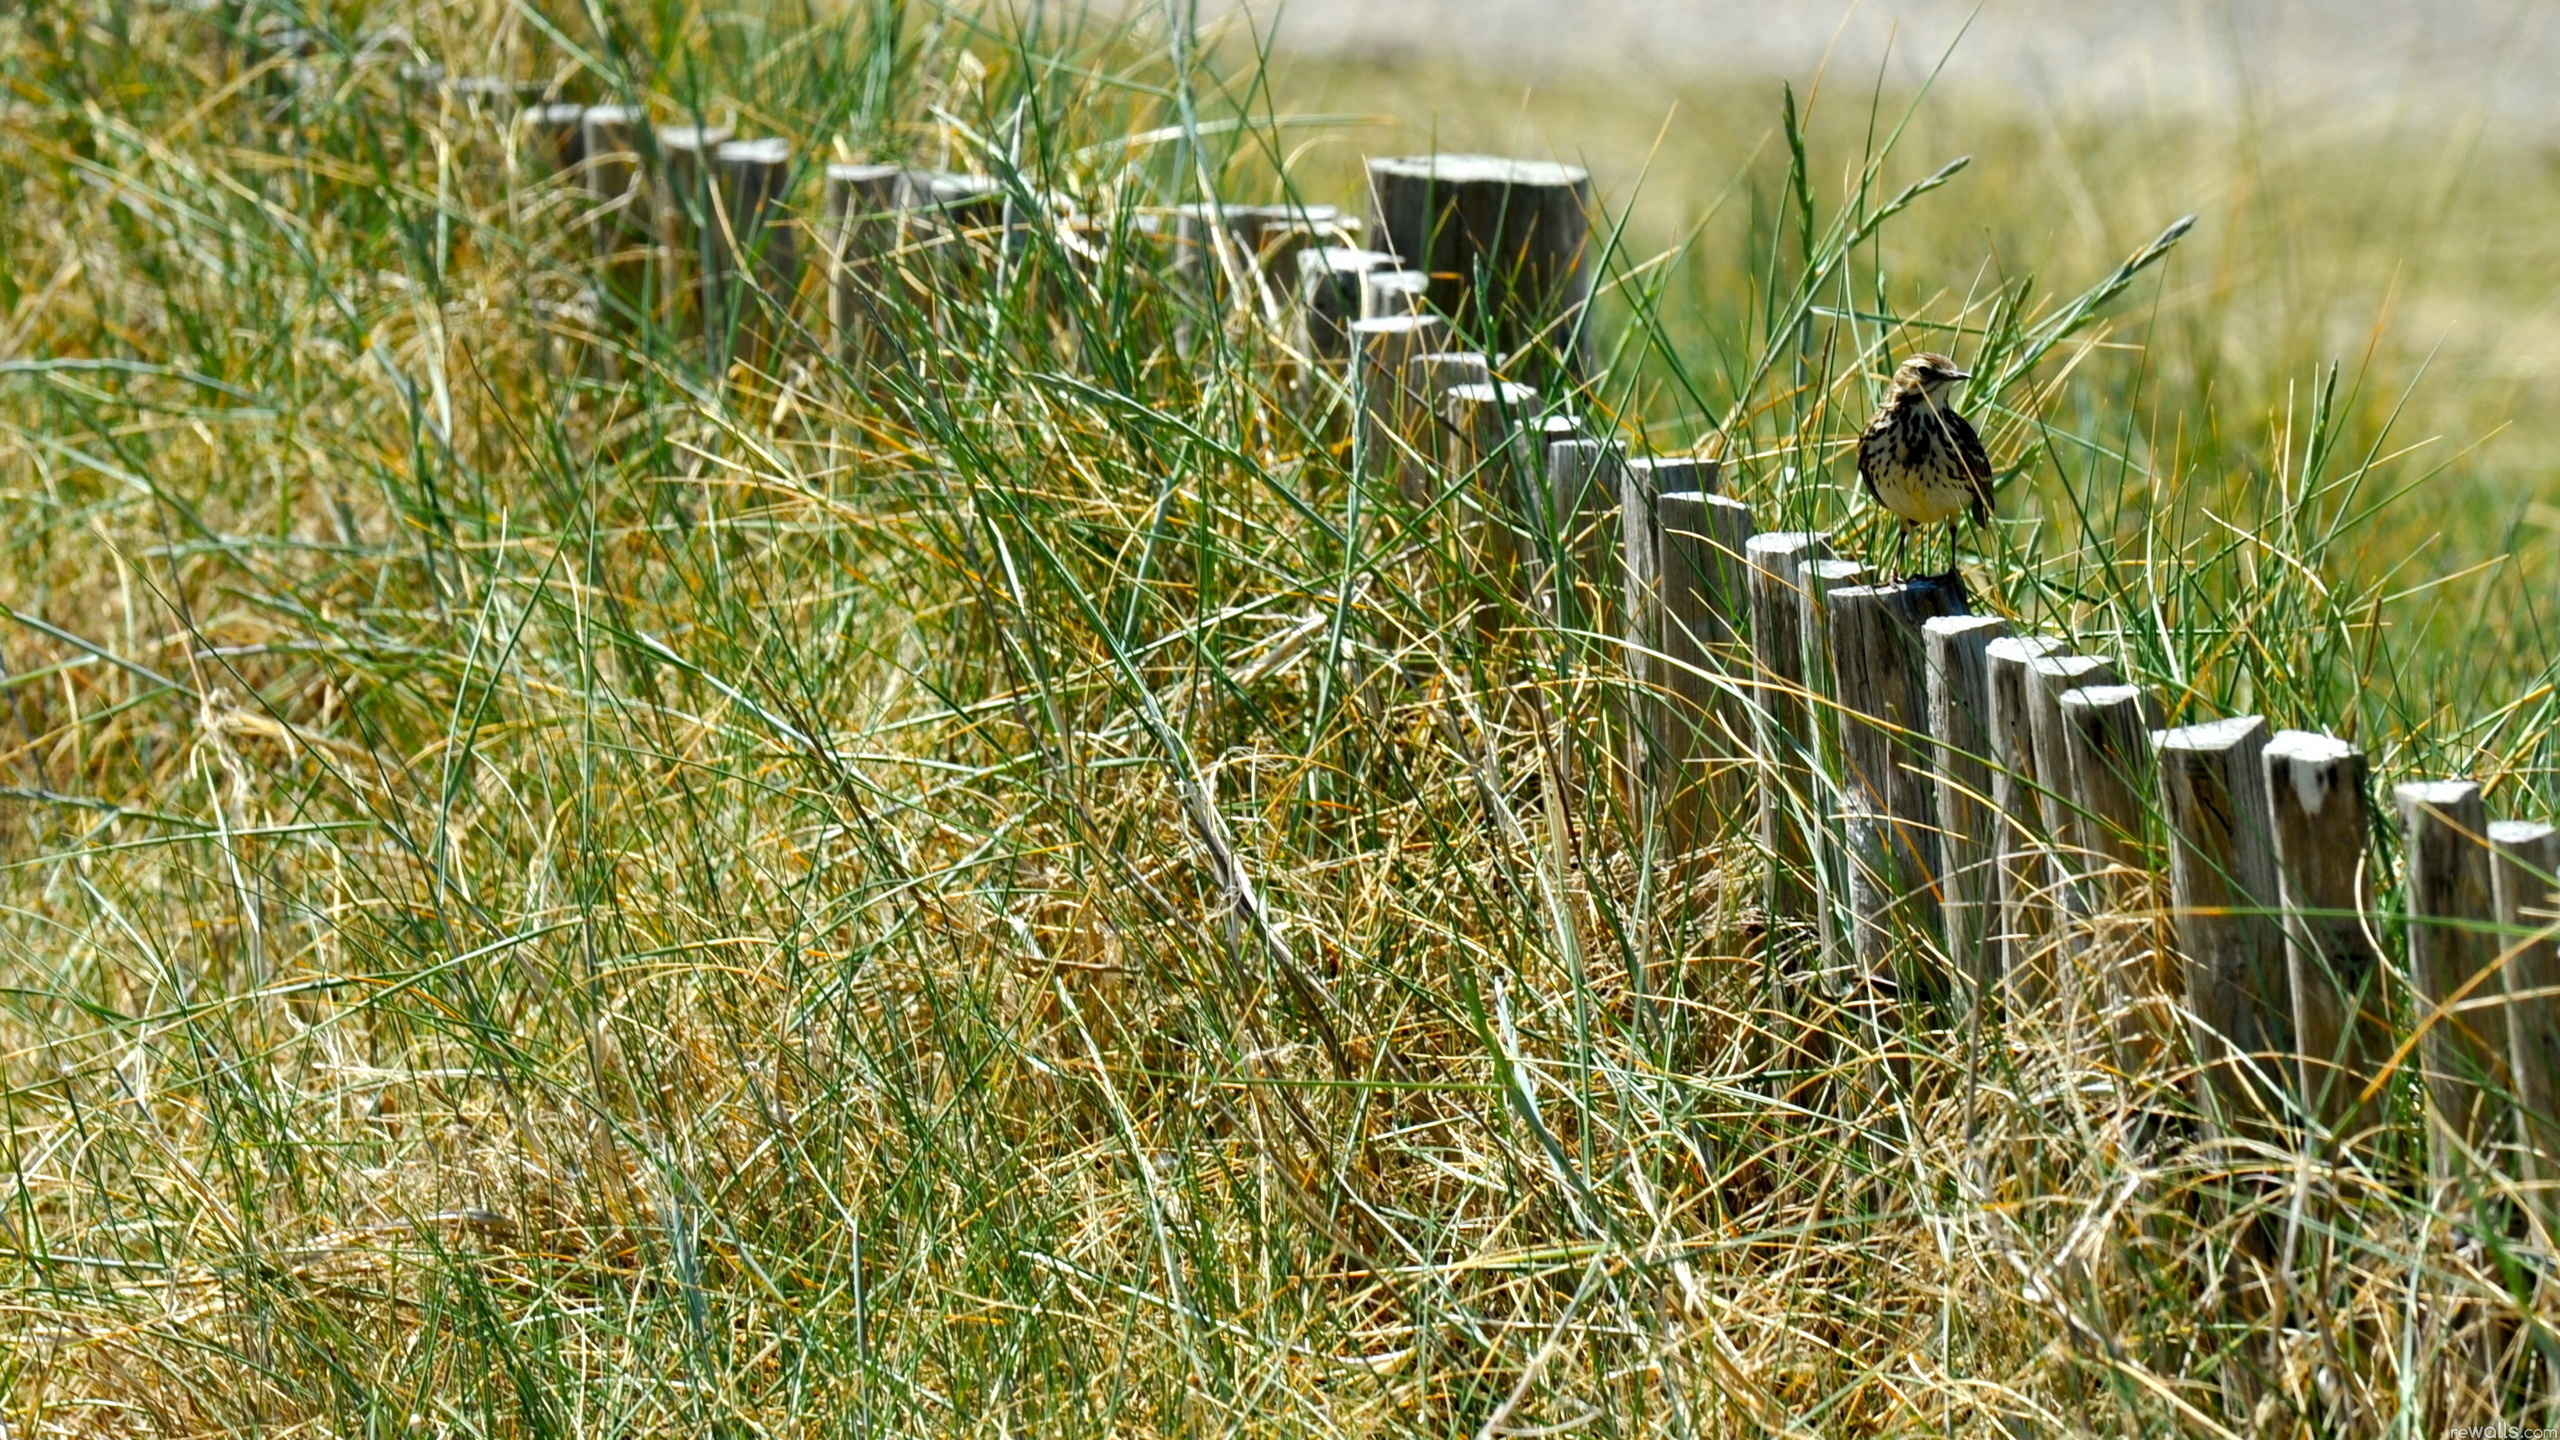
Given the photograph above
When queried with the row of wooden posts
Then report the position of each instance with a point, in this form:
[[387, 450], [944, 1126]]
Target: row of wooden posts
[[1949, 809]]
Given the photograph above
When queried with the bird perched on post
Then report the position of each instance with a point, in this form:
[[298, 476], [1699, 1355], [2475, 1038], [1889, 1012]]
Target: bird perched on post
[[1919, 458]]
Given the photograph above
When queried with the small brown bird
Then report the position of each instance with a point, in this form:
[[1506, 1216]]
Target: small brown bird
[[1919, 458]]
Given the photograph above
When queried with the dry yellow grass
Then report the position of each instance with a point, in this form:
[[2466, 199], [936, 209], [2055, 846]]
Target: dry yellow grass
[[841, 901]]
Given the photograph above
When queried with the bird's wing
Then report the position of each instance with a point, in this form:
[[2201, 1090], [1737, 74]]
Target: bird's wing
[[1867, 457], [1976, 463]]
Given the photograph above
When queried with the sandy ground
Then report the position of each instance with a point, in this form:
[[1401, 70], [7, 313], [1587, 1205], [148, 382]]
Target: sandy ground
[[2491, 58]]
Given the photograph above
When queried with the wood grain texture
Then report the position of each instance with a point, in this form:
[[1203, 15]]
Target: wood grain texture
[[1387, 415], [2526, 858], [2018, 865], [1781, 721], [2222, 896], [2462, 1047], [2108, 779], [751, 261], [1879, 664], [1826, 837], [1698, 633], [2059, 892], [2317, 804], [1330, 292], [1959, 684], [1505, 243], [858, 231]]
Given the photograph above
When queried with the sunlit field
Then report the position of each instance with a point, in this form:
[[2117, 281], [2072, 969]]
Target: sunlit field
[[567, 876]]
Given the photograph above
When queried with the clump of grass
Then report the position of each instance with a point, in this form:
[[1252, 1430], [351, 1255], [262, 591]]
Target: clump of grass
[[555, 889]]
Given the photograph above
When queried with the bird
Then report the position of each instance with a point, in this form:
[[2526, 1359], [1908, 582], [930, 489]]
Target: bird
[[1919, 458]]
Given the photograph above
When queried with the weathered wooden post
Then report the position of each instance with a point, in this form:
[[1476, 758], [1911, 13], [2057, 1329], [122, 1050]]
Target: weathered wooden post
[[554, 136], [1386, 411], [753, 258], [861, 208], [960, 219], [1888, 800], [1818, 578], [2222, 898], [2106, 750], [1219, 246], [1423, 451], [2018, 867], [2047, 677], [2106, 740], [624, 217], [1704, 617], [1664, 577], [1642, 482], [1782, 723], [1584, 490], [2463, 1053], [2316, 798], [1394, 292], [1959, 681], [1489, 460], [2527, 858], [689, 224], [1504, 242], [1330, 291]]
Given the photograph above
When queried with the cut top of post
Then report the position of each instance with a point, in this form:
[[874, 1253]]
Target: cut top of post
[[1961, 630], [1480, 170], [2213, 737], [1780, 551], [1499, 393], [1671, 474], [693, 137], [2305, 756], [759, 153], [1341, 260], [1386, 293], [1400, 325]]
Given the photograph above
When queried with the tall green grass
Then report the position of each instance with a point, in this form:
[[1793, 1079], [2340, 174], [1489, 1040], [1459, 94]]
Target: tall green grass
[[552, 890]]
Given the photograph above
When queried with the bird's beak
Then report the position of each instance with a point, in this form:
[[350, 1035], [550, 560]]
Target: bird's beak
[[1959, 374]]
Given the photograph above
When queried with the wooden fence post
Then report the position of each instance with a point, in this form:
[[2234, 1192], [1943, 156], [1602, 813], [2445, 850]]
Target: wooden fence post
[[1329, 296], [1382, 353], [755, 260], [1487, 446], [1504, 242], [1423, 454], [1889, 801], [1959, 678], [861, 207], [2068, 899], [2222, 892], [1817, 579], [1584, 491], [625, 223], [2106, 747], [2106, 737], [2059, 899], [2527, 860], [689, 224], [2018, 869], [1394, 292], [2462, 1046], [1705, 609], [554, 136], [1218, 246], [1783, 722], [2316, 798]]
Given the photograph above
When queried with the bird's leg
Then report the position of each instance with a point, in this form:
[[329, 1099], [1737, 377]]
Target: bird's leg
[[1902, 549], [1954, 558]]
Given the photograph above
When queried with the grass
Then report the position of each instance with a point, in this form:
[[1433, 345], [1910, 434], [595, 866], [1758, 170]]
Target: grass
[[550, 890]]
